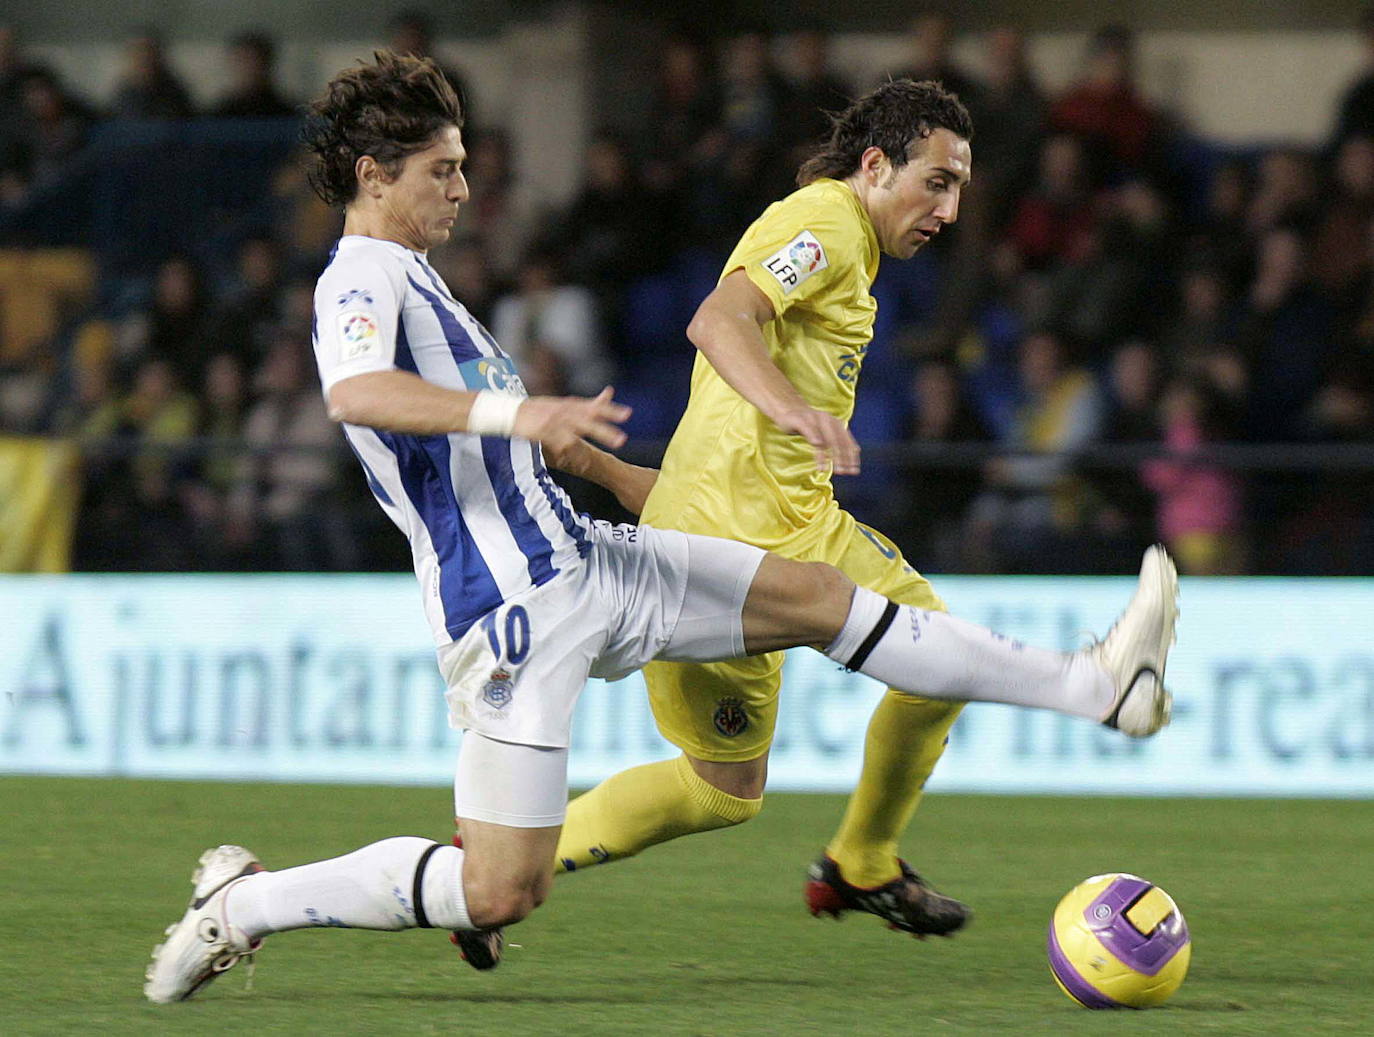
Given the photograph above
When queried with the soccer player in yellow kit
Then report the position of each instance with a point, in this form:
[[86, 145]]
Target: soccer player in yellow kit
[[781, 343]]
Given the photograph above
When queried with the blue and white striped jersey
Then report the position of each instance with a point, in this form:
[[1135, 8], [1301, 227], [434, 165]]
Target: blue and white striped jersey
[[484, 519]]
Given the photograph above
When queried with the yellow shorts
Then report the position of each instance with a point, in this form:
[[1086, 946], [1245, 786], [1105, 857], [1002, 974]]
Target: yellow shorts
[[727, 711]]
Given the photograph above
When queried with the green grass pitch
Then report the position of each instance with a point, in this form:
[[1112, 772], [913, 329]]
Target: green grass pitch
[[705, 936]]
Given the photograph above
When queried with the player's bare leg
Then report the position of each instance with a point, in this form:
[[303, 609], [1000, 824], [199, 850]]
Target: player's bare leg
[[499, 896], [743, 779], [505, 870]]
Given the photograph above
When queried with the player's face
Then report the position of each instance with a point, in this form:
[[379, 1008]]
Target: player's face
[[422, 202], [908, 205]]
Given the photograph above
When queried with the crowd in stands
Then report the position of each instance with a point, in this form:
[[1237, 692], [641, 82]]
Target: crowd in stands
[[1112, 283]]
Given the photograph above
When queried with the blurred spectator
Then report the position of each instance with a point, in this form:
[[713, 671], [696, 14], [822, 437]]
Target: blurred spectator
[[550, 328], [172, 327], [752, 88], [1340, 246], [1199, 324], [686, 106], [740, 166], [132, 517], [1116, 287], [1054, 223], [205, 497], [308, 228], [493, 215], [52, 130], [813, 91], [931, 33], [1105, 107], [13, 70], [246, 317], [1032, 504], [1199, 503], [1220, 239], [612, 232], [1125, 516], [412, 32], [1284, 333], [147, 87], [1355, 112], [1009, 120], [252, 93], [937, 499], [282, 493], [1332, 531], [1285, 192]]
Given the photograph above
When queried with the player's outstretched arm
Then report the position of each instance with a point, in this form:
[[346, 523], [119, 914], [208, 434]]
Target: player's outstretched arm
[[399, 401], [630, 483], [727, 328]]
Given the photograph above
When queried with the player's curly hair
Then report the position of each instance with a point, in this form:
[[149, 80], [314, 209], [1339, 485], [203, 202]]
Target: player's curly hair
[[388, 109], [893, 117]]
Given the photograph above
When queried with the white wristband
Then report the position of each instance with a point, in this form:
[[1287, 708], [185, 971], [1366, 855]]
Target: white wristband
[[493, 414]]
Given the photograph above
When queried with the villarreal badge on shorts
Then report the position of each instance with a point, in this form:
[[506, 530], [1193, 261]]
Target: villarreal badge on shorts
[[730, 717], [499, 689], [1118, 941]]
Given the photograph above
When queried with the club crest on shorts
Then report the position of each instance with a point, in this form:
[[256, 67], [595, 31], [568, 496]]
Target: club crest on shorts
[[730, 718], [499, 689]]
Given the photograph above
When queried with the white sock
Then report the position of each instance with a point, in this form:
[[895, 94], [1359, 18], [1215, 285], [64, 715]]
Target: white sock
[[940, 657], [370, 888]]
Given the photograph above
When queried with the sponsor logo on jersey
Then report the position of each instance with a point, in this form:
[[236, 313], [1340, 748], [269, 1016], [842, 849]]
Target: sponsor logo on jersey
[[730, 718], [499, 689], [496, 373], [358, 331], [796, 261]]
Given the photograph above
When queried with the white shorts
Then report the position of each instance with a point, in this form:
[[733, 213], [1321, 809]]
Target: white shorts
[[641, 594]]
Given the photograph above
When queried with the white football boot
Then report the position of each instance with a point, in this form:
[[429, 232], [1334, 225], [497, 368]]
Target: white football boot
[[1135, 649], [203, 944]]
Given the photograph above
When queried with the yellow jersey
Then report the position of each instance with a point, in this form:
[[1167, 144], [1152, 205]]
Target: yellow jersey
[[729, 471]]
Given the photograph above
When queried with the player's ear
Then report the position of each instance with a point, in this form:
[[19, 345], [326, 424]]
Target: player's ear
[[371, 176], [874, 164]]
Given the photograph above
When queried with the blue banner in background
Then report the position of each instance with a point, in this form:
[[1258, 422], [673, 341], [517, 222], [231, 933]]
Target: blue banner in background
[[331, 678]]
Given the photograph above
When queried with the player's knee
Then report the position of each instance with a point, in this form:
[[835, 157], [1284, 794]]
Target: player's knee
[[827, 598], [724, 794], [505, 905]]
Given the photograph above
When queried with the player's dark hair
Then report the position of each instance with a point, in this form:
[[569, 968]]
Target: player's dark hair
[[389, 109], [894, 117]]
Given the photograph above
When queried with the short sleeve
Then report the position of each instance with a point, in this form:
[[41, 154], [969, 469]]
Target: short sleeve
[[357, 311], [796, 254]]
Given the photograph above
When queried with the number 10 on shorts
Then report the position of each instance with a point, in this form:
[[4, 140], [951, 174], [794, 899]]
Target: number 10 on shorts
[[517, 634]]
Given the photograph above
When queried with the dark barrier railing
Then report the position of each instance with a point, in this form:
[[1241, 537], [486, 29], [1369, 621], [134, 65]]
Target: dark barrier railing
[[1295, 508]]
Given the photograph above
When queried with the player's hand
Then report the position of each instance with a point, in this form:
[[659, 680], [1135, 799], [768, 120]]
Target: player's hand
[[830, 436], [560, 423]]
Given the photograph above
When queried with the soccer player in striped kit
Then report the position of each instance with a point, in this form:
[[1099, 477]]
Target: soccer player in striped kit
[[525, 598]]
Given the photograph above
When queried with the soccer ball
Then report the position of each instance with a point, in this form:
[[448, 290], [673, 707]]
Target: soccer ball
[[1118, 941]]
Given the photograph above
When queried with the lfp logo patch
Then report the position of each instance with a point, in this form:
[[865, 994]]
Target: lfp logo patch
[[359, 333], [796, 261]]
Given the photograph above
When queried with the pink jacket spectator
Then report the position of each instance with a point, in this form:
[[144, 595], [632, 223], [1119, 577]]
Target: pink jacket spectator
[[1193, 498]]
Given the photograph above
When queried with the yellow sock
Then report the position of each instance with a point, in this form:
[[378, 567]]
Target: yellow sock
[[905, 740], [643, 806]]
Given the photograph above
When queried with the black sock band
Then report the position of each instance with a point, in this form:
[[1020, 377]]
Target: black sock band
[[879, 629], [417, 891]]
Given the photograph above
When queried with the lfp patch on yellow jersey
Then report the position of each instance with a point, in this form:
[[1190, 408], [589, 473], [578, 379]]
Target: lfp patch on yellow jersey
[[729, 471]]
